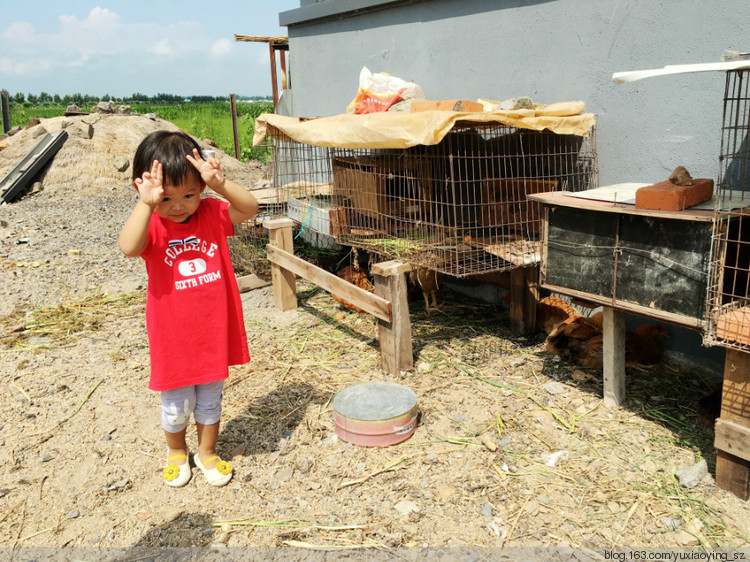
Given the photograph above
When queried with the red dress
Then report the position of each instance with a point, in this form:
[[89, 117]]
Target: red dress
[[193, 309]]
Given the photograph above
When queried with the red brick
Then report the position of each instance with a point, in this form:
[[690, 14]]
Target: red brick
[[446, 105], [666, 196]]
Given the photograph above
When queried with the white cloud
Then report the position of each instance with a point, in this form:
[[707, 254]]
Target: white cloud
[[105, 53], [19, 31], [221, 48], [162, 48]]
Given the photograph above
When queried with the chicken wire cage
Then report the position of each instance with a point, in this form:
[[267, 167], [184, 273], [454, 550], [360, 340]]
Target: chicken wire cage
[[729, 288], [459, 207]]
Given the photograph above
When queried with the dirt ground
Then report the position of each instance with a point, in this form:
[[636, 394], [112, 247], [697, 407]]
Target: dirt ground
[[513, 447]]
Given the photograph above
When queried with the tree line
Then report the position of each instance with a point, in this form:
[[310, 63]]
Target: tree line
[[84, 100]]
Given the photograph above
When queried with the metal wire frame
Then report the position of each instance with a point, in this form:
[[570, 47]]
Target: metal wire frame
[[728, 303], [459, 207]]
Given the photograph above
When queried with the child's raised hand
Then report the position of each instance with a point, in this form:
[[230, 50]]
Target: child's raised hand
[[210, 170], [150, 185]]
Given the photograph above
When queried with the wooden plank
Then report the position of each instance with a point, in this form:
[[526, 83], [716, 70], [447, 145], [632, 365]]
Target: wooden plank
[[369, 302], [733, 438], [732, 471], [283, 281], [613, 334], [394, 335], [249, 282], [390, 268], [679, 320], [16, 180], [563, 199]]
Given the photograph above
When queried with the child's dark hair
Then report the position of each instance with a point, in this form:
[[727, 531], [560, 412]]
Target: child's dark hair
[[170, 149]]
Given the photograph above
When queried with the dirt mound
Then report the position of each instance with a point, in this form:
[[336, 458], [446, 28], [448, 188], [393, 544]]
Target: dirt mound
[[87, 160]]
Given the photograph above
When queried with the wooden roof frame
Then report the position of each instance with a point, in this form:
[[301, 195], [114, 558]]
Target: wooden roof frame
[[280, 44]]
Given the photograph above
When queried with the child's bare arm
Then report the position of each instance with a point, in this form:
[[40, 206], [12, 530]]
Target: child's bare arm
[[242, 203], [134, 234]]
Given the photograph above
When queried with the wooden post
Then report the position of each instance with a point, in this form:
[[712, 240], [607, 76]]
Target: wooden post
[[5, 108], [733, 427], [235, 132], [524, 294], [282, 64], [613, 336], [395, 337], [274, 85], [283, 281]]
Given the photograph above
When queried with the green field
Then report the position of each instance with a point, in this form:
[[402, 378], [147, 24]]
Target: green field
[[202, 120]]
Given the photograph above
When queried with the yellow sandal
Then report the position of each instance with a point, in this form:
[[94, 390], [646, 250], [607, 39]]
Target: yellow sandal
[[177, 475], [219, 475]]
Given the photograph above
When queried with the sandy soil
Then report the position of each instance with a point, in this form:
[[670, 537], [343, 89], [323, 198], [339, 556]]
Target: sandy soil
[[513, 447]]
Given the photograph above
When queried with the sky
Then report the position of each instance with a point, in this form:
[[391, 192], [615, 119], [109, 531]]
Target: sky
[[99, 48]]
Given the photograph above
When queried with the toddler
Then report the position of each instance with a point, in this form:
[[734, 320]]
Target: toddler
[[193, 308]]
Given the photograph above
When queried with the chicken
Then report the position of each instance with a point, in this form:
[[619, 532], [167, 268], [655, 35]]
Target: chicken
[[428, 281], [357, 277], [551, 311], [642, 345], [580, 340], [569, 338]]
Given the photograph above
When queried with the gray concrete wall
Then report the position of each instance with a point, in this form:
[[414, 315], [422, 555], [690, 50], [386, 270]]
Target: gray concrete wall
[[549, 50]]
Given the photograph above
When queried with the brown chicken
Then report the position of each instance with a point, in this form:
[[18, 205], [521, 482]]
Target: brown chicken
[[429, 283], [359, 278], [580, 340], [551, 311]]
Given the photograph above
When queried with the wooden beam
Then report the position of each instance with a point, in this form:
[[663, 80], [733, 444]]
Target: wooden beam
[[282, 64], [367, 301], [261, 38], [733, 438], [283, 281], [274, 84], [249, 282], [732, 469], [640, 310], [613, 336], [394, 335]]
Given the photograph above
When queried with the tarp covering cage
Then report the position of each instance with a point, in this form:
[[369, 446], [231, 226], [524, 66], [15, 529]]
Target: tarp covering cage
[[441, 189]]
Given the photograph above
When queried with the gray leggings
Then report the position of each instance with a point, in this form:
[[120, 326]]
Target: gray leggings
[[202, 400]]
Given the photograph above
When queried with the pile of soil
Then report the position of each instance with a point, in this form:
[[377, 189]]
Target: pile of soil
[[513, 447]]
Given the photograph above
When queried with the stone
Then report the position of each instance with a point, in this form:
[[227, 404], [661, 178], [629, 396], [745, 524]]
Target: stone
[[554, 387], [85, 131], [38, 132], [406, 508], [104, 107], [73, 110], [123, 109], [121, 163], [691, 476], [33, 122]]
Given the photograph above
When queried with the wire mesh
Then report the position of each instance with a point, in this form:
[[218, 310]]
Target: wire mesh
[[729, 290], [459, 207]]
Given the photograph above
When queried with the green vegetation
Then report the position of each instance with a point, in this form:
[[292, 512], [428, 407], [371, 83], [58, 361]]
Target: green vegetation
[[204, 117]]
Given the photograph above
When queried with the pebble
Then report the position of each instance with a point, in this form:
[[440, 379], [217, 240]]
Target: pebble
[[691, 476], [554, 387], [73, 514], [487, 510], [405, 508]]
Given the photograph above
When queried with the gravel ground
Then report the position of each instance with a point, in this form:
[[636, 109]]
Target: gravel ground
[[513, 448]]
